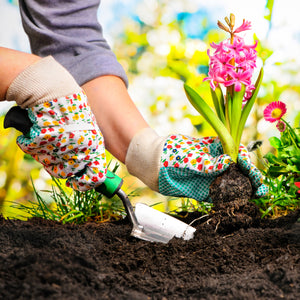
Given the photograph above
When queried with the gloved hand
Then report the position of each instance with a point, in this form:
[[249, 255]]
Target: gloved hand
[[250, 170], [182, 166], [64, 137]]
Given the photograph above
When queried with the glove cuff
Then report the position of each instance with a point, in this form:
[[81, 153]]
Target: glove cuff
[[143, 157], [42, 81]]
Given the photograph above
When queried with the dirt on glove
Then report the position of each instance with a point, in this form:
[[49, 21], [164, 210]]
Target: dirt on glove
[[260, 259]]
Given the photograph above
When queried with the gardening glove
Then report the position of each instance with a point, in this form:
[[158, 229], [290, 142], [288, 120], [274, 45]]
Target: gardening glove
[[182, 166], [249, 169], [64, 136]]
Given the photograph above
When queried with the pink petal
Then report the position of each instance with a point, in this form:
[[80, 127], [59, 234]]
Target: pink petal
[[245, 26]]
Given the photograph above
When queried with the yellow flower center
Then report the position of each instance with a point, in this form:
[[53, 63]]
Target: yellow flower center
[[276, 113]]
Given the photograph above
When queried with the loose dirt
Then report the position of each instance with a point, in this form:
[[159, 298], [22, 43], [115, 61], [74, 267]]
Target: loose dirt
[[250, 260]]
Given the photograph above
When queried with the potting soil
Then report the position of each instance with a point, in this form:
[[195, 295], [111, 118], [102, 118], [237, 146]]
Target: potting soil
[[41, 259]]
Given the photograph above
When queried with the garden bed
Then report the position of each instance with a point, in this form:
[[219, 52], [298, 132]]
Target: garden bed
[[41, 259]]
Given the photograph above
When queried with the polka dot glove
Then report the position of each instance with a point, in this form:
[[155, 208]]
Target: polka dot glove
[[189, 165], [66, 140]]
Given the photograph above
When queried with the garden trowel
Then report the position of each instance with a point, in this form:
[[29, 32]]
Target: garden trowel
[[148, 224]]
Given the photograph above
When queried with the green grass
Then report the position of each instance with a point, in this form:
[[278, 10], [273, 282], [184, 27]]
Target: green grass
[[189, 205], [282, 197], [69, 206]]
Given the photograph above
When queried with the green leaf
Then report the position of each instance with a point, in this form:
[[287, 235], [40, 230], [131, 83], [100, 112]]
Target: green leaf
[[228, 110], [236, 112], [273, 159], [292, 168], [218, 100], [275, 142], [203, 108], [248, 106], [293, 150], [275, 171]]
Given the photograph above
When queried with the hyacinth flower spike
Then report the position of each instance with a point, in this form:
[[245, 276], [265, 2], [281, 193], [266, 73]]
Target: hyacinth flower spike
[[231, 68]]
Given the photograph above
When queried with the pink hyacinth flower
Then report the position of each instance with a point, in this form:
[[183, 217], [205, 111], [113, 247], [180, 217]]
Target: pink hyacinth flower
[[232, 64], [274, 111], [237, 47], [238, 78], [215, 78], [245, 26], [221, 47]]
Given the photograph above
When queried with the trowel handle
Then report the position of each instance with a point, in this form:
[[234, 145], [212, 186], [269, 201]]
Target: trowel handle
[[111, 185], [17, 118]]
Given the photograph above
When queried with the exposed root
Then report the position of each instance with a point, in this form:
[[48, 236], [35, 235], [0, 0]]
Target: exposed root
[[204, 216], [217, 226], [208, 221], [234, 217]]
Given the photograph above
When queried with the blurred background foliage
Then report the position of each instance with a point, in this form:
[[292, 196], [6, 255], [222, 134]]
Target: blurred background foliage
[[162, 44]]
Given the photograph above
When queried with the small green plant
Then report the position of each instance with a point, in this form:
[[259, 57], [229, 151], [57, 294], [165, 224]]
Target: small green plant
[[287, 159], [282, 168], [188, 205], [73, 206]]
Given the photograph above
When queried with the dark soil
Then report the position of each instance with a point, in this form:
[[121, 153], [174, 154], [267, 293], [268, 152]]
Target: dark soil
[[230, 193], [258, 259], [230, 187]]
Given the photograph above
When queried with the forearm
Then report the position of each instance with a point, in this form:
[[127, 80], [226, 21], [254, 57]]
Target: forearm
[[116, 114], [12, 63]]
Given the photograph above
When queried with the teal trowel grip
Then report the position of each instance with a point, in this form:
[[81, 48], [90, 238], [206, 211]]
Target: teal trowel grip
[[111, 185]]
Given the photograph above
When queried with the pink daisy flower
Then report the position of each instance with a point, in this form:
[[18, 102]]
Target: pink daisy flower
[[281, 126], [274, 111]]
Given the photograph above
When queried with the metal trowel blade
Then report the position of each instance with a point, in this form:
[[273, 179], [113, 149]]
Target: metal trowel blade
[[156, 226]]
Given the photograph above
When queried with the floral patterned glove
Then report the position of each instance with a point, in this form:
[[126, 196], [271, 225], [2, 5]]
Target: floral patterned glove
[[64, 136], [185, 166], [65, 139]]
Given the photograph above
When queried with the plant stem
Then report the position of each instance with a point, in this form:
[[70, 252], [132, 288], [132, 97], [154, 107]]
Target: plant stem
[[292, 134]]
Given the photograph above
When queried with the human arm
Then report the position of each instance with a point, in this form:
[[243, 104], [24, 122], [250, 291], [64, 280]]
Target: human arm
[[63, 137], [75, 39]]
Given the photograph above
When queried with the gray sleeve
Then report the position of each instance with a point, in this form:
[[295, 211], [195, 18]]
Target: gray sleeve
[[69, 31]]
